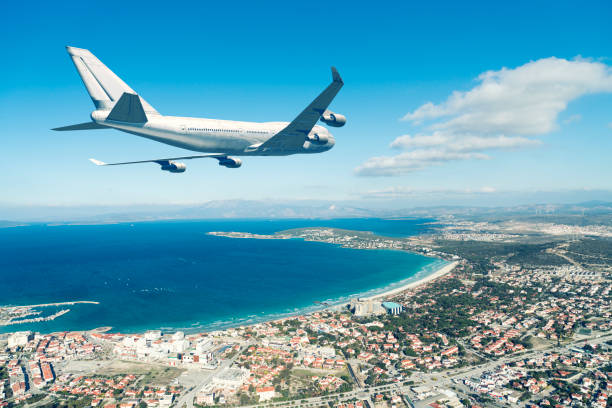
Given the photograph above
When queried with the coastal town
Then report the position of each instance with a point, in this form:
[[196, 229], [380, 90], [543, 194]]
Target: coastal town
[[515, 317]]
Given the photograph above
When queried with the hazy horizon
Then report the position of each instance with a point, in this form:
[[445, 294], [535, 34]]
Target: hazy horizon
[[386, 206]]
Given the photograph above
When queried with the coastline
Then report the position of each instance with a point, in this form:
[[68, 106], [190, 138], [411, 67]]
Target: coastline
[[411, 285], [338, 304], [375, 284]]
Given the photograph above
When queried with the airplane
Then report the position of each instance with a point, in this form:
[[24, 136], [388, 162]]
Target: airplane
[[119, 107]]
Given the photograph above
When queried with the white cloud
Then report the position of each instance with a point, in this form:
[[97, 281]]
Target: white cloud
[[437, 149], [461, 143], [572, 119], [521, 101], [475, 143], [505, 110], [411, 161], [407, 141]]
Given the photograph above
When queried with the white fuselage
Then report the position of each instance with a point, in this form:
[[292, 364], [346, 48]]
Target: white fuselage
[[213, 135]]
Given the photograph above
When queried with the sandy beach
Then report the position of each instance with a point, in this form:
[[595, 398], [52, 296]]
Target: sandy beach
[[341, 306], [440, 272]]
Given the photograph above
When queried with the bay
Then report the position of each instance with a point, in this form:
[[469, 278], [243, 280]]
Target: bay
[[172, 275]]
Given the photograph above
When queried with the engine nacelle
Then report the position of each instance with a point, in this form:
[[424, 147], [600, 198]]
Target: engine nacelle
[[230, 162], [174, 167], [333, 119], [316, 138]]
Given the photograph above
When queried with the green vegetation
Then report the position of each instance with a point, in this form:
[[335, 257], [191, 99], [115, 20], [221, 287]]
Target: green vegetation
[[570, 215], [78, 403], [481, 254], [453, 307], [246, 400], [35, 398], [591, 250]]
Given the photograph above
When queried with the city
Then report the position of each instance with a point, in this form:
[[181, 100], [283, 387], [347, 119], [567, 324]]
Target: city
[[520, 320]]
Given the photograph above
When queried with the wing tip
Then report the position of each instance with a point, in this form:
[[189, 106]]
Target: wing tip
[[78, 52], [336, 75], [97, 162]]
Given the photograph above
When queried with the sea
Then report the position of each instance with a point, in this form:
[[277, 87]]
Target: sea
[[171, 275]]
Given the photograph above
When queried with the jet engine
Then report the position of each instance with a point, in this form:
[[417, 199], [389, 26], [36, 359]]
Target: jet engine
[[174, 167], [333, 119], [230, 162], [317, 139]]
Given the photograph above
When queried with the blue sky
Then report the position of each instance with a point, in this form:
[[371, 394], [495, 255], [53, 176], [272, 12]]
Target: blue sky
[[265, 61]]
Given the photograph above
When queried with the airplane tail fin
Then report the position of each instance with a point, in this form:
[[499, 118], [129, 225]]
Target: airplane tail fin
[[104, 87]]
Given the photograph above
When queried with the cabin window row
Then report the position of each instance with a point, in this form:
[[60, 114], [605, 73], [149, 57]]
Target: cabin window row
[[213, 130], [225, 130]]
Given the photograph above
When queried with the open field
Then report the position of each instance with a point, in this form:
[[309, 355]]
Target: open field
[[153, 374]]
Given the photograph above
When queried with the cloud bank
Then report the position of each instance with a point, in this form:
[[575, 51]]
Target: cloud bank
[[507, 109]]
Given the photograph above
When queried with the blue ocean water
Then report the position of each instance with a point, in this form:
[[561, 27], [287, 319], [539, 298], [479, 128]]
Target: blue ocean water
[[172, 275]]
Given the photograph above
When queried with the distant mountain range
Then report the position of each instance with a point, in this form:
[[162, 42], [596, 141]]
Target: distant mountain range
[[289, 209], [211, 209]]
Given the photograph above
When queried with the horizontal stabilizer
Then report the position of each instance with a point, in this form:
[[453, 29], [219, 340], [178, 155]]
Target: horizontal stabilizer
[[97, 162], [128, 109], [82, 126]]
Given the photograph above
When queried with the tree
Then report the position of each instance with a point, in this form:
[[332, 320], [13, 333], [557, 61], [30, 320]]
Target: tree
[[244, 399]]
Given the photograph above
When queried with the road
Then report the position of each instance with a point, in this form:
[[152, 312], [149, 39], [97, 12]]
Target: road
[[433, 380], [194, 380]]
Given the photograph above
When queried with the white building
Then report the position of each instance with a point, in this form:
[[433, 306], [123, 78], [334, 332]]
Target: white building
[[361, 307], [392, 307], [205, 345], [205, 396], [20, 339], [179, 346], [231, 378], [166, 400], [153, 335], [266, 393], [128, 341], [325, 351]]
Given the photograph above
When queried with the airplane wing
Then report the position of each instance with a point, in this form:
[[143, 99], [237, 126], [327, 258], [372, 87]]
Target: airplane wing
[[162, 161], [293, 136]]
